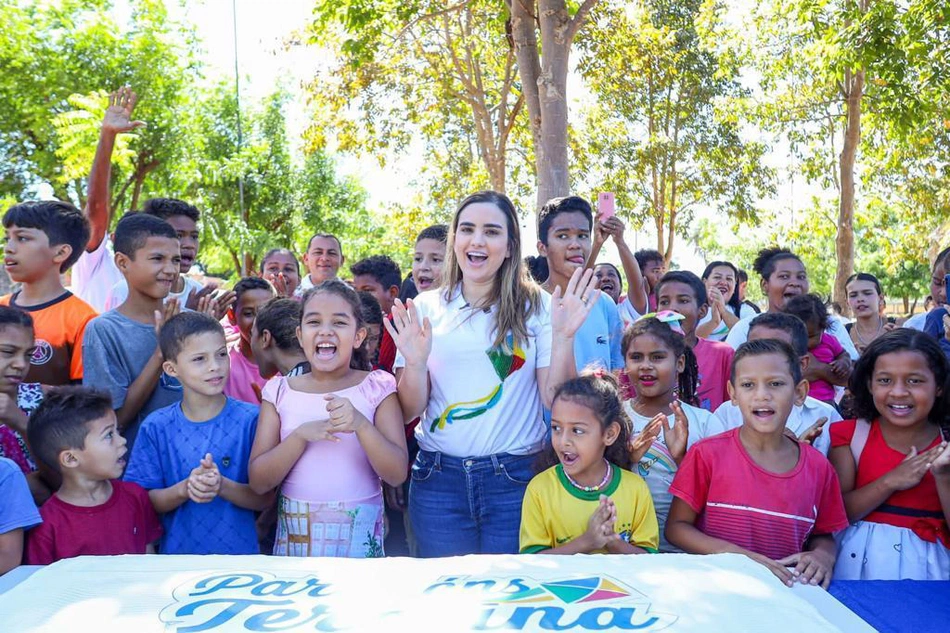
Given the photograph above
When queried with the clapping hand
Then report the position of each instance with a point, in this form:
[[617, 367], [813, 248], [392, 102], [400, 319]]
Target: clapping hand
[[600, 526], [204, 482], [813, 432], [316, 431], [676, 436], [169, 309], [641, 442], [344, 418], [910, 471]]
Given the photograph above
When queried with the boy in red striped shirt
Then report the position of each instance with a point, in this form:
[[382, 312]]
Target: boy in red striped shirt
[[757, 490]]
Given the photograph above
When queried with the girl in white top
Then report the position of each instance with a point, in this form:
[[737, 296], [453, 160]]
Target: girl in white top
[[662, 370], [477, 359], [783, 276], [725, 309]]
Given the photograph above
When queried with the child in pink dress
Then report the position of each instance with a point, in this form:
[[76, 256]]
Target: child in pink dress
[[244, 381], [327, 438]]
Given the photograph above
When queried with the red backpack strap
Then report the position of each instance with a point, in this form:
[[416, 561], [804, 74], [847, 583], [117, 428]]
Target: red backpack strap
[[862, 428]]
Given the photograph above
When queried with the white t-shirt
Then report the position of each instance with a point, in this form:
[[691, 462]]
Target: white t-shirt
[[916, 322], [94, 274], [120, 292], [798, 420], [628, 314], [482, 401], [720, 333], [739, 334], [657, 466]]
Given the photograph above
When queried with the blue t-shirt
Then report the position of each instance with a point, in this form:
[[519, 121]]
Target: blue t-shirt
[[169, 447], [597, 342], [934, 327], [17, 510]]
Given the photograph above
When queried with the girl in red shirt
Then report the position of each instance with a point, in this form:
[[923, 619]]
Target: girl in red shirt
[[894, 463]]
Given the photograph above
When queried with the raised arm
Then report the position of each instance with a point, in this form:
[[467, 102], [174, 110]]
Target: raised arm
[[118, 119], [413, 338], [568, 312], [636, 287]]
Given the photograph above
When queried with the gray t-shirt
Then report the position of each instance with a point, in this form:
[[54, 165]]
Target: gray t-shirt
[[115, 350]]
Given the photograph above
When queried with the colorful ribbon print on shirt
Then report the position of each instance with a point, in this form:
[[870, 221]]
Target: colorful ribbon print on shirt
[[505, 364]]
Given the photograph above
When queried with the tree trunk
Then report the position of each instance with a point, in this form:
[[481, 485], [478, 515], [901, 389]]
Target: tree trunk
[[136, 191], [544, 83], [844, 242]]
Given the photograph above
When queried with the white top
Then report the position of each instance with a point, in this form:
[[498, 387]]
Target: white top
[[94, 274], [798, 420], [628, 314], [657, 466], [916, 322], [739, 334], [721, 331], [120, 292], [482, 401], [305, 284]]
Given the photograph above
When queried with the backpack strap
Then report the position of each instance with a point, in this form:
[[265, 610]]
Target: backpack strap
[[862, 428]]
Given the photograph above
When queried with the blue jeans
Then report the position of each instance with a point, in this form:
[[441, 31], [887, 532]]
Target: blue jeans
[[468, 505]]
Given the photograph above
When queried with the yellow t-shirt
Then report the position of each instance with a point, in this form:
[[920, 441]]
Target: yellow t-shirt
[[555, 512]]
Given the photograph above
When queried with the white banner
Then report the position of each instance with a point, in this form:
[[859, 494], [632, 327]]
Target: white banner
[[224, 594]]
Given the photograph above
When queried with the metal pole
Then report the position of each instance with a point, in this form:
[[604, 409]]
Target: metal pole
[[240, 141]]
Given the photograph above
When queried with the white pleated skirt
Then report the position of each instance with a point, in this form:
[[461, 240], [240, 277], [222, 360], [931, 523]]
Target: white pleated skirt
[[878, 551]]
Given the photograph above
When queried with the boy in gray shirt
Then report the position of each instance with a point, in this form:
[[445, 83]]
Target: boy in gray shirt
[[120, 348]]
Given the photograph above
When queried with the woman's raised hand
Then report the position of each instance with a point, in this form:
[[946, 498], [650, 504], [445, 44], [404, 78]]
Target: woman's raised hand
[[569, 309], [412, 336]]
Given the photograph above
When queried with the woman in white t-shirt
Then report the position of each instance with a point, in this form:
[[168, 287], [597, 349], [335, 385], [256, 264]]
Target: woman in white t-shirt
[[477, 359], [783, 276], [725, 309]]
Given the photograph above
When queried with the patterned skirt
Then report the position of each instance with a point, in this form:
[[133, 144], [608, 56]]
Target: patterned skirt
[[335, 529]]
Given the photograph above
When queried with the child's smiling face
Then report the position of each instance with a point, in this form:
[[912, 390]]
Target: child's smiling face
[[427, 263], [328, 332], [652, 367], [903, 388]]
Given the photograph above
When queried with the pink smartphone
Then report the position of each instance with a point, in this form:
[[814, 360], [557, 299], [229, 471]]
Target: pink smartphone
[[605, 205]]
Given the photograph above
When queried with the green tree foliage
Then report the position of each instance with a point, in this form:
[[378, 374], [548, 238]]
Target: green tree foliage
[[442, 73], [283, 205], [662, 134], [56, 56], [859, 89]]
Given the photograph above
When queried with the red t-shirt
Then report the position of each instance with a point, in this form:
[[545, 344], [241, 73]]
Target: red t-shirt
[[125, 524], [387, 350], [917, 508], [714, 360], [768, 513]]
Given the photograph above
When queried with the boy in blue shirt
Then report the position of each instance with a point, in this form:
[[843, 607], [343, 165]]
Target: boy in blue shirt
[[17, 513], [192, 456], [564, 238]]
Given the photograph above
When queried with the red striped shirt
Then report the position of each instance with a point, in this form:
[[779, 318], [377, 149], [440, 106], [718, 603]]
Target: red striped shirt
[[738, 501]]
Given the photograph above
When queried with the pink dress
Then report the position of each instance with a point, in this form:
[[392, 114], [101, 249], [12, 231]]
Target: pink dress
[[331, 502]]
